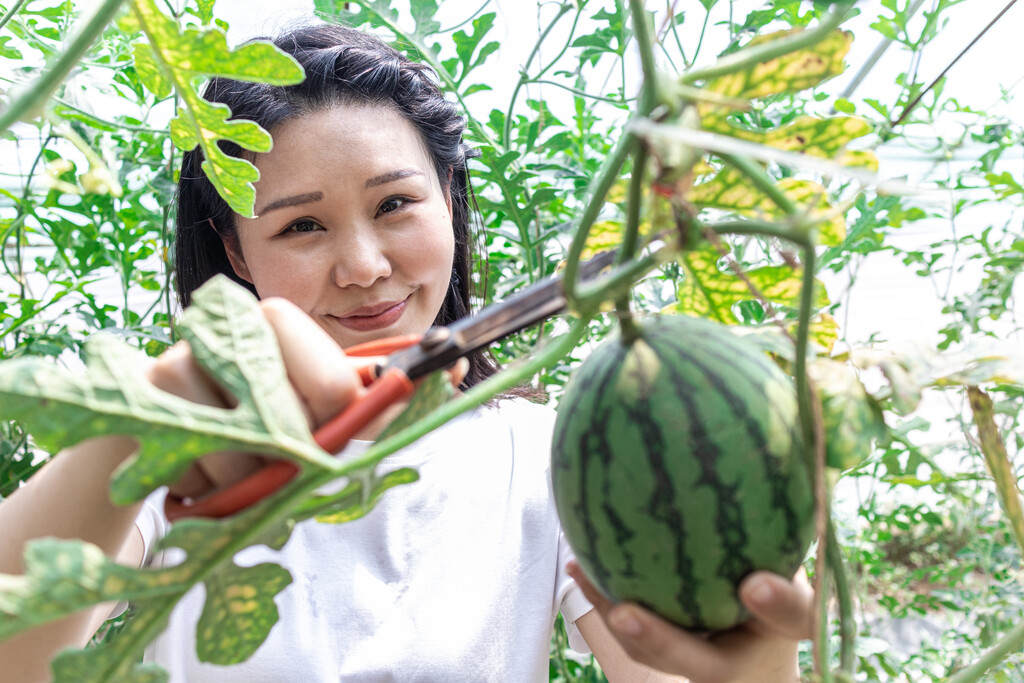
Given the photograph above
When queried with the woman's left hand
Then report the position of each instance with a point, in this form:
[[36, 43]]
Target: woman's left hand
[[763, 649]]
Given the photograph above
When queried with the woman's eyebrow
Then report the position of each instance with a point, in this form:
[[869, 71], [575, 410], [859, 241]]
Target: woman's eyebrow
[[391, 176], [291, 201]]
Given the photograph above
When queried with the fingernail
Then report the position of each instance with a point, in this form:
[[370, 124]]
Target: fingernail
[[623, 620], [761, 592]]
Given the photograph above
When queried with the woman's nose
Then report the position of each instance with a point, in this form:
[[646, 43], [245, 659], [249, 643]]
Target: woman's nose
[[360, 260]]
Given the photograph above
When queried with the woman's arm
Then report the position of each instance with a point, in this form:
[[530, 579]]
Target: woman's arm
[[68, 498]]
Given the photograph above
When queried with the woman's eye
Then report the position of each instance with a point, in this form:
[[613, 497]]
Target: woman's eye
[[303, 226], [391, 204]]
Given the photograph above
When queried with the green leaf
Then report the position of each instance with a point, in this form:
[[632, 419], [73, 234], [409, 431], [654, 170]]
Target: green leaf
[[178, 59], [805, 134], [909, 369], [8, 51], [229, 338], [853, 420], [149, 71], [359, 497], [466, 45], [239, 612]]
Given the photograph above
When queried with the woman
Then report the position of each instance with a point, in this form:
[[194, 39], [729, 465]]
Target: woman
[[360, 232]]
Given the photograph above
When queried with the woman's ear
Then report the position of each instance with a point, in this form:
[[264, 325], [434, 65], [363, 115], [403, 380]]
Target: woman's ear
[[237, 260]]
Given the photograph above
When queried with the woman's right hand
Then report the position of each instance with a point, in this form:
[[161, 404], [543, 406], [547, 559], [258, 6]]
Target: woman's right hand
[[325, 380]]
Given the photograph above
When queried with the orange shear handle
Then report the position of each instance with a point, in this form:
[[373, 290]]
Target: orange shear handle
[[332, 436]]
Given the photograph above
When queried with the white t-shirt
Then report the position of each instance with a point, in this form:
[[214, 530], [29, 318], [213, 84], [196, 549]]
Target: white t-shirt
[[456, 577]]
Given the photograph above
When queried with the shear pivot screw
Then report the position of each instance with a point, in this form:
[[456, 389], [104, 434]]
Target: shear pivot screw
[[434, 337]]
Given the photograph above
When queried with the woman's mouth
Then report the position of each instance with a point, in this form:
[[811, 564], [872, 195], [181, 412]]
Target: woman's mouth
[[373, 317]]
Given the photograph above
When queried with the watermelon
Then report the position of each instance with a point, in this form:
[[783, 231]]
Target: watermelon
[[678, 469]]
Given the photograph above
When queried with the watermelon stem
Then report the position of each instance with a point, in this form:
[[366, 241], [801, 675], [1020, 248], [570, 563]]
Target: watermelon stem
[[800, 232], [599, 187], [847, 624], [1011, 643]]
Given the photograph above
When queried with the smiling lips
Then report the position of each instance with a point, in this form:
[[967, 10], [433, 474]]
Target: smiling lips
[[373, 317]]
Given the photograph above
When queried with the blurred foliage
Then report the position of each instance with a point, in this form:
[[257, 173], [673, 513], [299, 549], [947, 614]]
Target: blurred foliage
[[937, 573]]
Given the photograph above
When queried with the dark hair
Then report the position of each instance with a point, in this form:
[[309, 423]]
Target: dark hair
[[343, 66]]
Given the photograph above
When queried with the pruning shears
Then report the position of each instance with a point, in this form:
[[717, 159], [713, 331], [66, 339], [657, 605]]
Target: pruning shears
[[408, 359]]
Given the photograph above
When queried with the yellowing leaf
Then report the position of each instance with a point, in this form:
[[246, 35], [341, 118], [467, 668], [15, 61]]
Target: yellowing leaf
[[824, 331], [707, 291], [731, 191], [860, 158], [658, 215], [786, 73], [852, 419], [239, 612], [604, 235], [177, 59], [808, 135]]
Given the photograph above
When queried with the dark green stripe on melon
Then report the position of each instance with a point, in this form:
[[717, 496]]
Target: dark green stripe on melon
[[677, 470]]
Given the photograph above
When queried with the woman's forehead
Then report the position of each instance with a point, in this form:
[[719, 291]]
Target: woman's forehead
[[363, 140]]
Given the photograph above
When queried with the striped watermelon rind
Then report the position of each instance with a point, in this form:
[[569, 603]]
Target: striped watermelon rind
[[678, 469]]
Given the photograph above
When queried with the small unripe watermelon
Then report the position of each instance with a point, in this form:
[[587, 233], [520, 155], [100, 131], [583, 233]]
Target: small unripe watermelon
[[678, 469]]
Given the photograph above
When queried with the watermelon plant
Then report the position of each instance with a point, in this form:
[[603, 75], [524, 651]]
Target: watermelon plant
[[679, 467], [722, 195]]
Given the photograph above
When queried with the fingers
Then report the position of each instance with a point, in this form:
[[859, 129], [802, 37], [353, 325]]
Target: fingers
[[458, 372], [784, 607], [651, 640], [178, 373], [324, 378]]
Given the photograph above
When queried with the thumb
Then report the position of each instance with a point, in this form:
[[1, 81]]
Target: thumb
[[784, 607]]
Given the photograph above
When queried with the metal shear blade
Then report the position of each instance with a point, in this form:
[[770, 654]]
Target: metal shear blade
[[440, 347]]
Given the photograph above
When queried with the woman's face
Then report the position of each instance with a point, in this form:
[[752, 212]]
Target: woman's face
[[352, 224]]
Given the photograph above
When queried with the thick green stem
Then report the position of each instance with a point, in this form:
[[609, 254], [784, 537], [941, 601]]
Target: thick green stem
[[749, 57], [810, 421], [756, 227], [645, 41], [1010, 643], [11, 12], [37, 95], [599, 187], [512, 376], [620, 281], [847, 624], [524, 78], [762, 181], [631, 237]]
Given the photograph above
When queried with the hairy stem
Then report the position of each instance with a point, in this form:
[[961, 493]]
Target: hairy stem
[[1011, 643], [599, 187], [11, 12], [524, 77], [847, 624]]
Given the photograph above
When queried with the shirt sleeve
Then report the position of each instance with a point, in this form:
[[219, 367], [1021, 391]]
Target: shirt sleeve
[[152, 525], [570, 599]]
